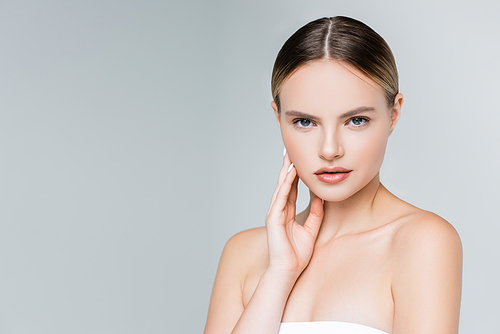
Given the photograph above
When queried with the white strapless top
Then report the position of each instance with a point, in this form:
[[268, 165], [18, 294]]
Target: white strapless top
[[326, 327]]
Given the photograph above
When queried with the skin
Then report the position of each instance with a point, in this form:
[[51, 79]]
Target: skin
[[363, 256]]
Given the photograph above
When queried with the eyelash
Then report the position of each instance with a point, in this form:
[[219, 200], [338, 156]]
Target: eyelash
[[365, 120], [296, 123]]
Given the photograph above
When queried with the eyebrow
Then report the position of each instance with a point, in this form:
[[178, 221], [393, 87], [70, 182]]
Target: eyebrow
[[356, 111], [347, 114]]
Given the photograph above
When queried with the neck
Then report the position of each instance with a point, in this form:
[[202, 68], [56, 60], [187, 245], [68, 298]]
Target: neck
[[355, 214]]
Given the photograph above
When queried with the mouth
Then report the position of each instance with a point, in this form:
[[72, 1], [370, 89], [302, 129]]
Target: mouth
[[332, 174]]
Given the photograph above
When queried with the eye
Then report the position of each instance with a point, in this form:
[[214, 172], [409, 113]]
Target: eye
[[358, 121], [303, 123]]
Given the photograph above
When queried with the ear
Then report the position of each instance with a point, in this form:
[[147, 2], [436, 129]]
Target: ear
[[276, 112], [396, 111]]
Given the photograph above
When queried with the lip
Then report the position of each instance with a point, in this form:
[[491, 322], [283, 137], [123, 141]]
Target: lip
[[332, 174]]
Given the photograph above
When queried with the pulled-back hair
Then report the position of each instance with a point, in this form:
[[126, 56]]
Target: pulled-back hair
[[343, 39]]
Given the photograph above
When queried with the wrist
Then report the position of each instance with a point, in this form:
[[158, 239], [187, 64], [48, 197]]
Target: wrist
[[281, 277]]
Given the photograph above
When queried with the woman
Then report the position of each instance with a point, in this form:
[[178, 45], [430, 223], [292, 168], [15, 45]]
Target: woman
[[358, 259]]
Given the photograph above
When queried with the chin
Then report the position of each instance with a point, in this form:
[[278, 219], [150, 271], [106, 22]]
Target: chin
[[331, 193], [333, 196]]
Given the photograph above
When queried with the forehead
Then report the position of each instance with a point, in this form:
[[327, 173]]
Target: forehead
[[329, 86]]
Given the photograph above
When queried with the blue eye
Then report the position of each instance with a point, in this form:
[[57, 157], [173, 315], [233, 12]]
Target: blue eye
[[303, 123], [358, 121]]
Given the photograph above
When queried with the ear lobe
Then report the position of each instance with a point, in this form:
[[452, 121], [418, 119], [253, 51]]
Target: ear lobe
[[396, 111], [276, 112]]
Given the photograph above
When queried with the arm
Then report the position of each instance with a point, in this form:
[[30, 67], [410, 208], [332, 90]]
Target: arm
[[428, 278], [263, 312], [289, 248], [226, 303]]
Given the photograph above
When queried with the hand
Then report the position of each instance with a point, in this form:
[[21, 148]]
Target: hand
[[290, 244]]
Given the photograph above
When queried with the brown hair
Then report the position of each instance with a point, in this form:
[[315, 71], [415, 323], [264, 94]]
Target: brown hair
[[343, 39]]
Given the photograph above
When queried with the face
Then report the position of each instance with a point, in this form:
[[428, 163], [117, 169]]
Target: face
[[335, 123]]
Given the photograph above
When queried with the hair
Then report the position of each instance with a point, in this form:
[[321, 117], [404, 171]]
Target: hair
[[342, 39]]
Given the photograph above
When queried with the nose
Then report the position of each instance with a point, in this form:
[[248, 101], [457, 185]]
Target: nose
[[331, 147]]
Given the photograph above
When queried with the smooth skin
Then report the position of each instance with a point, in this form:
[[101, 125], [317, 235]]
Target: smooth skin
[[363, 256]]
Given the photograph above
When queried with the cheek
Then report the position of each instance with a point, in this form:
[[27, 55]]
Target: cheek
[[299, 147], [370, 150]]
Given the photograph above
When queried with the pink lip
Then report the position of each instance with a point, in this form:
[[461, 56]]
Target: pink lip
[[332, 174]]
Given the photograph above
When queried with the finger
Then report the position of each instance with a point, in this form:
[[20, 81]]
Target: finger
[[292, 198], [291, 205], [315, 218], [283, 192], [284, 170], [281, 177]]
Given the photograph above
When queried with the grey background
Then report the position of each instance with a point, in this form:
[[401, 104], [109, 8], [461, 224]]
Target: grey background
[[137, 136]]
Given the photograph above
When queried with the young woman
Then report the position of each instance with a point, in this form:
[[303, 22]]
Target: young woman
[[358, 259]]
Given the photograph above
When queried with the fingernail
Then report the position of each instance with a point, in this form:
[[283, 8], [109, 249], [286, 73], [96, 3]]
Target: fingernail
[[284, 151], [290, 168], [322, 201]]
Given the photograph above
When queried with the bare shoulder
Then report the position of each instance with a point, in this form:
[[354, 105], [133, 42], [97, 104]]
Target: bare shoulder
[[419, 229], [249, 237], [247, 245], [242, 252], [427, 274]]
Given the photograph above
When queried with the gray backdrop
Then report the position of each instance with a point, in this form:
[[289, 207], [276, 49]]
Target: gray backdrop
[[137, 136]]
